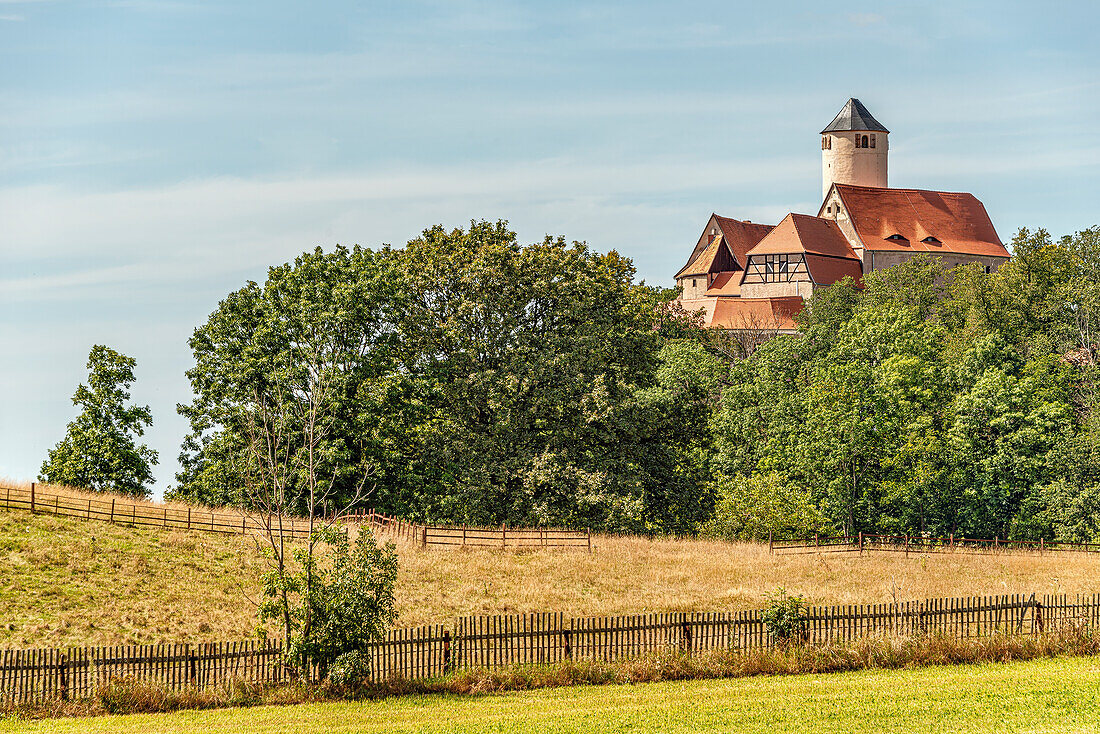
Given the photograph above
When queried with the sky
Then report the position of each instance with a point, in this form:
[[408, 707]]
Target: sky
[[155, 155]]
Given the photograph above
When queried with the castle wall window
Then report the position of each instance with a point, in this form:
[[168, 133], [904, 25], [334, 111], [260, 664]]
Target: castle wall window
[[872, 141]]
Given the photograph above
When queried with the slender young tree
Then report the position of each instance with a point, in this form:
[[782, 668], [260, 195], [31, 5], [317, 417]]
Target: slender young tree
[[99, 450]]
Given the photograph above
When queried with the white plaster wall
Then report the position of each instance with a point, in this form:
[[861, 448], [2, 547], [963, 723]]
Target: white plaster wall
[[843, 162]]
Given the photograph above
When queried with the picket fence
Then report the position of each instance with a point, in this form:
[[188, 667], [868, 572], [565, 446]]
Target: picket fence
[[502, 537], [545, 638], [865, 542]]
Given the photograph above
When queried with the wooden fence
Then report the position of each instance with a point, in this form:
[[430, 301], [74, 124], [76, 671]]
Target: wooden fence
[[907, 544], [497, 642], [138, 514], [477, 537]]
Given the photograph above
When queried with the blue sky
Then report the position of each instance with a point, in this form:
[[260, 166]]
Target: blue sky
[[156, 154]]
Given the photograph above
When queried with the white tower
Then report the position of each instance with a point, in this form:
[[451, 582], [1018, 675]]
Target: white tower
[[854, 148]]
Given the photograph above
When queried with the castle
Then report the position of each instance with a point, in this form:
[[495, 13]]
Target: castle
[[744, 275]]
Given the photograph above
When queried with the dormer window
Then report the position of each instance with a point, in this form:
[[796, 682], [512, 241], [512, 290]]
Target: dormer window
[[930, 240], [897, 238]]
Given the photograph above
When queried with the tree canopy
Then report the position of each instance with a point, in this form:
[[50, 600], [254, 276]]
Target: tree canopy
[[464, 377], [468, 377]]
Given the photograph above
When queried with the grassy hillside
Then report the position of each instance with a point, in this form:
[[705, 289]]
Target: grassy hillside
[[66, 581], [1059, 695]]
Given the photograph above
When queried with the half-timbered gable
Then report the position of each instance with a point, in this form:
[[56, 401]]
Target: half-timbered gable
[[801, 253]]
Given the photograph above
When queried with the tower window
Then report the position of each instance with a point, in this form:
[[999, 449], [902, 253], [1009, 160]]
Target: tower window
[[872, 141], [863, 141]]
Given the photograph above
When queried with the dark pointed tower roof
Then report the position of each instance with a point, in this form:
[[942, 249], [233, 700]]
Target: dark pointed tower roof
[[854, 116]]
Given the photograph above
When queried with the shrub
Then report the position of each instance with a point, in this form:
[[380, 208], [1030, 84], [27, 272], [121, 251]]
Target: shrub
[[785, 616], [347, 671], [751, 508]]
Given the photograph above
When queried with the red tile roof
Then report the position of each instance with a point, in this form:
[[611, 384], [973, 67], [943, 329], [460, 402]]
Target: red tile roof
[[758, 313], [829, 270], [725, 284], [804, 233], [742, 236], [958, 220]]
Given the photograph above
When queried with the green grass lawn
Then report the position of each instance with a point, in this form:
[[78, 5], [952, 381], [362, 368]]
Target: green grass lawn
[[1061, 695]]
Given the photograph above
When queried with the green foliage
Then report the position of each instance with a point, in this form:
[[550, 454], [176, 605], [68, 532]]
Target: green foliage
[[934, 401], [785, 616], [348, 671], [476, 379], [98, 451], [336, 603], [762, 506]]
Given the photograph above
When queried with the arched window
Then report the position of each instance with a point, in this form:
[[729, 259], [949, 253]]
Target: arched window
[[863, 142], [872, 140]]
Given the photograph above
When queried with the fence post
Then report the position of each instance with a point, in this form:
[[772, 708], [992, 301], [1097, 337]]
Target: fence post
[[64, 687], [817, 544], [588, 532], [685, 636], [1040, 546], [568, 636], [861, 542], [907, 545], [447, 663], [191, 677], [503, 535], [424, 538], [112, 509], [996, 542], [463, 535], [771, 544], [189, 517], [32, 498], [951, 540]]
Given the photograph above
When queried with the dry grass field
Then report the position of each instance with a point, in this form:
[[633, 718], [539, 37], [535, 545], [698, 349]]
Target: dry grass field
[[66, 581]]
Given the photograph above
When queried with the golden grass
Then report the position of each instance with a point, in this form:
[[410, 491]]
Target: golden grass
[[637, 575], [75, 582]]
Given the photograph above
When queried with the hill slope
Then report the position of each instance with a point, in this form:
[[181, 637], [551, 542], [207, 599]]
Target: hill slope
[[66, 581]]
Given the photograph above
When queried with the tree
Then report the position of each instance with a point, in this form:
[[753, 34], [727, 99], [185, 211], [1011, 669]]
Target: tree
[[332, 605], [289, 387], [479, 379], [99, 451]]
